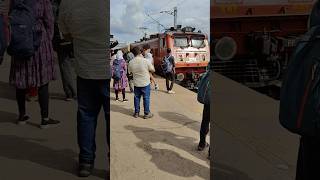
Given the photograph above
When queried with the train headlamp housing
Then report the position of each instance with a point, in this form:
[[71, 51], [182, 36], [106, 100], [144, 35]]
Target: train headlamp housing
[[180, 77], [225, 48]]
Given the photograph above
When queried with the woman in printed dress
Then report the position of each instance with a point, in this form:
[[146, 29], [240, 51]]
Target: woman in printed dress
[[120, 86], [38, 70]]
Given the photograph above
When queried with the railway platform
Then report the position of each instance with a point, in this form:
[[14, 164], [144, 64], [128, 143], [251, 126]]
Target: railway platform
[[249, 142], [28, 152], [163, 147]]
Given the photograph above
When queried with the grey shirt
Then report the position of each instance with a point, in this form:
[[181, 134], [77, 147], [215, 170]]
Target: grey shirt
[[88, 24]]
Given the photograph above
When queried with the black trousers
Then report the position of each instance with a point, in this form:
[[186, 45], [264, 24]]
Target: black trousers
[[308, 159], [123, 93], [43, 95], [170, 77], [205, 124]]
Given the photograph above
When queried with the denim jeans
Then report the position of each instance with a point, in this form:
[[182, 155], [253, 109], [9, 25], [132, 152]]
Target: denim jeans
[[205, 124], [92, 96], [145, 93]]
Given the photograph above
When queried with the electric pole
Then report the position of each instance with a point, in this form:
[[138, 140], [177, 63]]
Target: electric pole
[[174, 13], [144, 29]]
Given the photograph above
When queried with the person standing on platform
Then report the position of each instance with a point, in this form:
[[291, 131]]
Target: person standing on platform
[[168, 66], [119, 74], [140, 69], [130, 56], [309, 156], [65, 54], [4, 31], [86, 24], [204, 97], [37, 70]]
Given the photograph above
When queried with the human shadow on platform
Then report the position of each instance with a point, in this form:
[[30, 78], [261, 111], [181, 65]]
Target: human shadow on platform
[[7, 91], [28, 149], [122, 110], [168, 160], [181, 119], [224, 172], [6, 117]]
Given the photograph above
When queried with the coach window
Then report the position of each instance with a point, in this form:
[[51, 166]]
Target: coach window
[[163, 42]]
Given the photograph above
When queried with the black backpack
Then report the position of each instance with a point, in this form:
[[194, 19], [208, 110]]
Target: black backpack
[[300, 92], [25, 39], [117, 70]]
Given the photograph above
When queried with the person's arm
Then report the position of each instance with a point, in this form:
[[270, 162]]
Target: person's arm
[[63, 21], [129, 69], [173, 64], [48, 18], [150, 67], [125, 66]]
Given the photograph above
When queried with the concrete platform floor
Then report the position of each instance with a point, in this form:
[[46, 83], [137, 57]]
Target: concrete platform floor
[[27, 152], [163, 147]]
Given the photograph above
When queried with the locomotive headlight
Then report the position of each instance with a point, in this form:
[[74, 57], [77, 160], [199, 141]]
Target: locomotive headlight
[[226, 48], [180, 77]]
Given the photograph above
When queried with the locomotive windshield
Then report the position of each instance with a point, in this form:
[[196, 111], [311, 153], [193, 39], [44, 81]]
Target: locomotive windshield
[[181, 42], [197, 42]]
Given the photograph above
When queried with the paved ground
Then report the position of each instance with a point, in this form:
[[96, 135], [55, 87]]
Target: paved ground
[[161, 148], [249, 142], [27, 152]]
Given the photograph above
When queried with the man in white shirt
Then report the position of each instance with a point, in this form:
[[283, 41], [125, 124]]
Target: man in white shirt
[[140, 69]]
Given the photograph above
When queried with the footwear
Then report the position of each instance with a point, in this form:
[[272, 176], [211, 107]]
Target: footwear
[[117, 100], [125, 100], [85, 170], [68, 99], [23, 120], [49, 123], [171, 92], [156, 87], [202, 146], [148, 116], [136, 115]]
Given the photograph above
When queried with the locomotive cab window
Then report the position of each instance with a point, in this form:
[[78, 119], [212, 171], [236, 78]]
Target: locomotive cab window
[[197, 42], [162, 43], [181, 42]]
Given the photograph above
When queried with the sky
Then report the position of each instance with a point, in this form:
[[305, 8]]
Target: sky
[[129, 16]]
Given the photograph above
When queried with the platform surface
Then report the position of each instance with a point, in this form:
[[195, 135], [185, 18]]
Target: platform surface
[[28, 152]]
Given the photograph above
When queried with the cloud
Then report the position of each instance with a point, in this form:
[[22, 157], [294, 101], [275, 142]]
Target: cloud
[[128, 15]]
